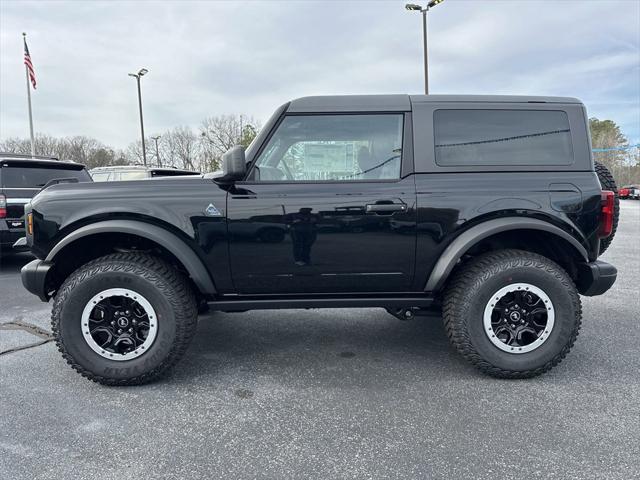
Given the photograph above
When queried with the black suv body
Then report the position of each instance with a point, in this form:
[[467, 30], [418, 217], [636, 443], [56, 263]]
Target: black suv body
[[485, 208], [21, 177]]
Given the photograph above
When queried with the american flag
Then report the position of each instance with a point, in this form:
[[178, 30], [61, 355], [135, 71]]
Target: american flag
[[27, 62]]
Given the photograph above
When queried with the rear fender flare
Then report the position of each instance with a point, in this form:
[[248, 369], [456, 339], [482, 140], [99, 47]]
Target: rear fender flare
[[458, 247]]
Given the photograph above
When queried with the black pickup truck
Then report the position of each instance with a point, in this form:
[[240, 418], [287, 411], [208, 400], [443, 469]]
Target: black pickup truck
[[487, 209]]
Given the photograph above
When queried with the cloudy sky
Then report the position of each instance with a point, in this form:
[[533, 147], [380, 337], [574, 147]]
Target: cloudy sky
[[213, 57]]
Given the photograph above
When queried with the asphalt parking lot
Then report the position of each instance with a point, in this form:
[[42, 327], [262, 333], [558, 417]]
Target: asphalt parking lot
[[328, 394]]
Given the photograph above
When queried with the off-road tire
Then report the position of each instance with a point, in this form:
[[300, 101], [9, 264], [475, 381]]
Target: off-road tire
[[609, 183], [471, 289], [165, 288]]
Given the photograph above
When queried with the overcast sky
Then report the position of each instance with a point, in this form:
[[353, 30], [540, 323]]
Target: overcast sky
[[208, 58]]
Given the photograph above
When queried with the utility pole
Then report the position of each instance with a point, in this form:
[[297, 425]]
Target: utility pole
[[155, 139], [418, 8], [137, 76]]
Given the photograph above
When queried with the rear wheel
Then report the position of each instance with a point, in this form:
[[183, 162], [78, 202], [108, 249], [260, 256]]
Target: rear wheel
[[124, 319], [609, 183], [513, 314]]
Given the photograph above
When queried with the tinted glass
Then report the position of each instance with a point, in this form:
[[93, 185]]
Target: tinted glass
[[502, 137], [333, 147], [34, 177]]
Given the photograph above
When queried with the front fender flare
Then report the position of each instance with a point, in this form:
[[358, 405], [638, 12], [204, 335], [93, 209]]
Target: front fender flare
[[470, 237], [166, 239]]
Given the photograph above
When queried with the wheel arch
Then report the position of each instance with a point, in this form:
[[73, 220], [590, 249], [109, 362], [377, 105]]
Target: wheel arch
[[170, 243], [476, 235]]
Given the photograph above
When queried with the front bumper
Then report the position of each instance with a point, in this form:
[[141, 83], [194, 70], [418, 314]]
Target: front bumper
[[595, 278], [34, 278]]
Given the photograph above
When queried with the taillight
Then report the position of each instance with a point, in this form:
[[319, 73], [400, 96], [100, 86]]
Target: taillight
[[606, 213], [3, 206]]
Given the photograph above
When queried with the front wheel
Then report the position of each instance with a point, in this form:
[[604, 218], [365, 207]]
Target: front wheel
[[513, 314], [124, 319]]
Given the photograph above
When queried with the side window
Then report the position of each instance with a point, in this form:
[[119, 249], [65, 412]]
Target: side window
[[333, 147], [132, 175], [100, 176], [502, 137]]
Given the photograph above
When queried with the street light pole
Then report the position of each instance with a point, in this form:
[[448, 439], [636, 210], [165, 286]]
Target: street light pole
[[418, 8], [155, 139], [426, 58], [137, 76]]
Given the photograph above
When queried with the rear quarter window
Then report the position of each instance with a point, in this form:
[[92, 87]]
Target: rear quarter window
[[34, 177], [481, 137]]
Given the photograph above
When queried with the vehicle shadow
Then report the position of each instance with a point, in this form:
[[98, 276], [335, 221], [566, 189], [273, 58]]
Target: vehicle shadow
[[13, 262], [329, 346]]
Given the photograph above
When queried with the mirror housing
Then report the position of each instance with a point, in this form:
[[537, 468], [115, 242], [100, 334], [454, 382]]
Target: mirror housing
[[234, 164]]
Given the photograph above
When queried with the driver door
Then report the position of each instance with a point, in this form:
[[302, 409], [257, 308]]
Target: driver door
[[325, 209]]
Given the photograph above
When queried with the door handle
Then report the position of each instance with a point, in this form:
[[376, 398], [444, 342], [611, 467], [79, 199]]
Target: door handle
[[387, 208]]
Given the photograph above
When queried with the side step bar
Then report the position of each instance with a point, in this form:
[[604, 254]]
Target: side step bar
[[240, 303]]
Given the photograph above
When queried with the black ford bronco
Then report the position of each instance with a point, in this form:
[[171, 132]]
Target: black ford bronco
[[487, 209]]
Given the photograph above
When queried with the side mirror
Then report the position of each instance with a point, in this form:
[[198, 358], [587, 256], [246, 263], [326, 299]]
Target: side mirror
[[234, 164]]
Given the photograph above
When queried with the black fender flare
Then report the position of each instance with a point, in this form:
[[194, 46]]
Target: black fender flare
[[469, 238], [166, 239]]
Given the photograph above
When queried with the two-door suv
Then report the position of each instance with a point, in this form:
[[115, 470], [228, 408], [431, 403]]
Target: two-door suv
[[486, 208]]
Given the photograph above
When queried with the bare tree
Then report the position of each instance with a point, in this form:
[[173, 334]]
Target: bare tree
[[220, 133], [44, 145], [133, 153], [16, 145], [85, 150], [181, 147]]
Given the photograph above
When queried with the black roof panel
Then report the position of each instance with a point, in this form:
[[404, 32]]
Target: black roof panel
[[351, 103], [402, 102]]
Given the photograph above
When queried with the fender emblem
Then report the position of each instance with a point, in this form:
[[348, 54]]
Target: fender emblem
[[212, 211]]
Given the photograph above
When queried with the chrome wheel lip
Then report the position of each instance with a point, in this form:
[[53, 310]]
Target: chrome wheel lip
[[497, 296], [119, 292]]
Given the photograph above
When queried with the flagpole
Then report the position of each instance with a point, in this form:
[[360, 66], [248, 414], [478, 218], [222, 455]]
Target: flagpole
[[26, 70]]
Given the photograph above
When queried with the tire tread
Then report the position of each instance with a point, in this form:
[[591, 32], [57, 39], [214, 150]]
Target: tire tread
[[179, 294], [469, 278]]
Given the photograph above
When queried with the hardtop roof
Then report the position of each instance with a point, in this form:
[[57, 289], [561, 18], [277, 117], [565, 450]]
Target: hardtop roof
[[402, 102]]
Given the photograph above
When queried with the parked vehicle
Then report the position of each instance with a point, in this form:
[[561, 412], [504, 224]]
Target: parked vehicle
[[135, 172], [345, 201], [623, 192], [21, 177], [634, 192]]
